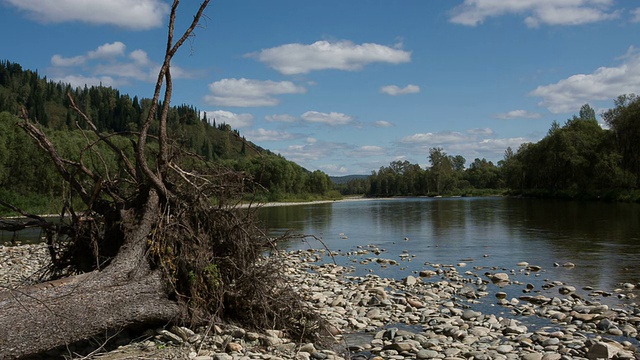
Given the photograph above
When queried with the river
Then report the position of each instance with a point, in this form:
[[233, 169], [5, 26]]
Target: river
[[477, 235], [488, 234]]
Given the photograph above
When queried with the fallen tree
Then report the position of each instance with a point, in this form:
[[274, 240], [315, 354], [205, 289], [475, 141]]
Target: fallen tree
[[159, 243]]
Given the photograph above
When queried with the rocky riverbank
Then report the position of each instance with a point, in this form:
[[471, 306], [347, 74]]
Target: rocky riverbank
[[429, 315]]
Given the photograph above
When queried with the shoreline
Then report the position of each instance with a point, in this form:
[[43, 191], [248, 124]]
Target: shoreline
[[313, 202], [426, 316]]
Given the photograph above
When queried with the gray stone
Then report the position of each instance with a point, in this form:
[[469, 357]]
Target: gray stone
[[532, 356], [222, 356], [308, 348], [427, 354], [504, 349], [602, 350], [169, 336]]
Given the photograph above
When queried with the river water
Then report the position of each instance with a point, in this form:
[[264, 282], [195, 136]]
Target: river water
[[488, 234]]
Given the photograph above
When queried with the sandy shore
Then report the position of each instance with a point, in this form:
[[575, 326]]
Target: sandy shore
[[293, 203]]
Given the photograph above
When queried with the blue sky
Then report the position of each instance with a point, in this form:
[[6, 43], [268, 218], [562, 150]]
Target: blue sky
[[349, 86]]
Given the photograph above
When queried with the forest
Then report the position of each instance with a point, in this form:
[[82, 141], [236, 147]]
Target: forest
[[29, 180], [577, 160]]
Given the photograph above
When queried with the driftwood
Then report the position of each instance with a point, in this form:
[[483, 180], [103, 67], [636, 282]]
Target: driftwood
[[60, 312]]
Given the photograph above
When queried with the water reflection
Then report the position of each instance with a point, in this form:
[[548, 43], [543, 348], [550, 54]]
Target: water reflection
[[602, 239]]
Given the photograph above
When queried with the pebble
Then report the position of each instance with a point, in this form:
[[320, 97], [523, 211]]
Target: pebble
[[430, 317]]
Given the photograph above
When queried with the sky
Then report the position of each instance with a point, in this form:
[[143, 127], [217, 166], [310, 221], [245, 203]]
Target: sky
[[349, 86]]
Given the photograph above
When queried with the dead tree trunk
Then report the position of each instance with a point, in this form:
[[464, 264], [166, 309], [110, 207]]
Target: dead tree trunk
[[61, 312], [125, 288]]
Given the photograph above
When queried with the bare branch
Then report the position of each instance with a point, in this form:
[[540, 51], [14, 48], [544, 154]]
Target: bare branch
[[129, 167], [58, 161], [156, 178]]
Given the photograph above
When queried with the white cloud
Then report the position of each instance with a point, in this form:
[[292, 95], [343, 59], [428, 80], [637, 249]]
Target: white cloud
[[480, 131], [285, 118], [473, 143], [59, 60], [332, 118], [236, 121], [248, 92], [394, 90], [293, 59], [139, 57], [434, 138], [105, 51], [334, 169], [518, 114], [536, 12], [102, 64], [81, 81], [382, 124], [367, 150], [108, 51], [129, 71], [130, 14], [636, 15], [605, 83], [268, 135]]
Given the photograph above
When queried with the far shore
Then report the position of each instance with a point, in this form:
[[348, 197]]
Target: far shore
[[292, 203]]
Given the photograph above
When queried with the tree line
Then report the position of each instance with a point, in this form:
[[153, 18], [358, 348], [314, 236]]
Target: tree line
[[27, 177], [580, 159]]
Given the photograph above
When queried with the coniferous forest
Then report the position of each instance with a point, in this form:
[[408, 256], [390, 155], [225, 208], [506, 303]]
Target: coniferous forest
[[28, 179]]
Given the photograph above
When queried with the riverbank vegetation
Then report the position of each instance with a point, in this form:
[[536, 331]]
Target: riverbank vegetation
[[578, 160], [29, 180]]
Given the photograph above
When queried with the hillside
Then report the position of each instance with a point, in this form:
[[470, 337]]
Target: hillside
[[339, 180], [26, 174]]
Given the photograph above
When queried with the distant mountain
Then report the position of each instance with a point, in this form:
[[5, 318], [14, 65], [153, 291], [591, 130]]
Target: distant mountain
[[346, 178]]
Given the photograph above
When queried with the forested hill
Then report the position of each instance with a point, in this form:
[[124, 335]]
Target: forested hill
[[24, 171], [47, 102]]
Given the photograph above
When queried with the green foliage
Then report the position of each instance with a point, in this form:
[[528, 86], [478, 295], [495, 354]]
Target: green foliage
[[581, 159], [446, 176], [211, 275], [29, 179]]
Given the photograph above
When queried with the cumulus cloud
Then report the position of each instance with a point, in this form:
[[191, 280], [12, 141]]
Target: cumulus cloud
[[236, 121], [394, 90], [382, 124], [108, 51], [248, 92], [536, 12], [334, 169], [285, 118], [472, 143], [332, 118], [481, 131], [105, 51], [434, 138], [130, 14], [605, 83], [109, 62], [268, 135], [518, 114], [636, 15], [81, 81], [311, 151], [367, 150], [139, 57], [59, 60], [291, 59]]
